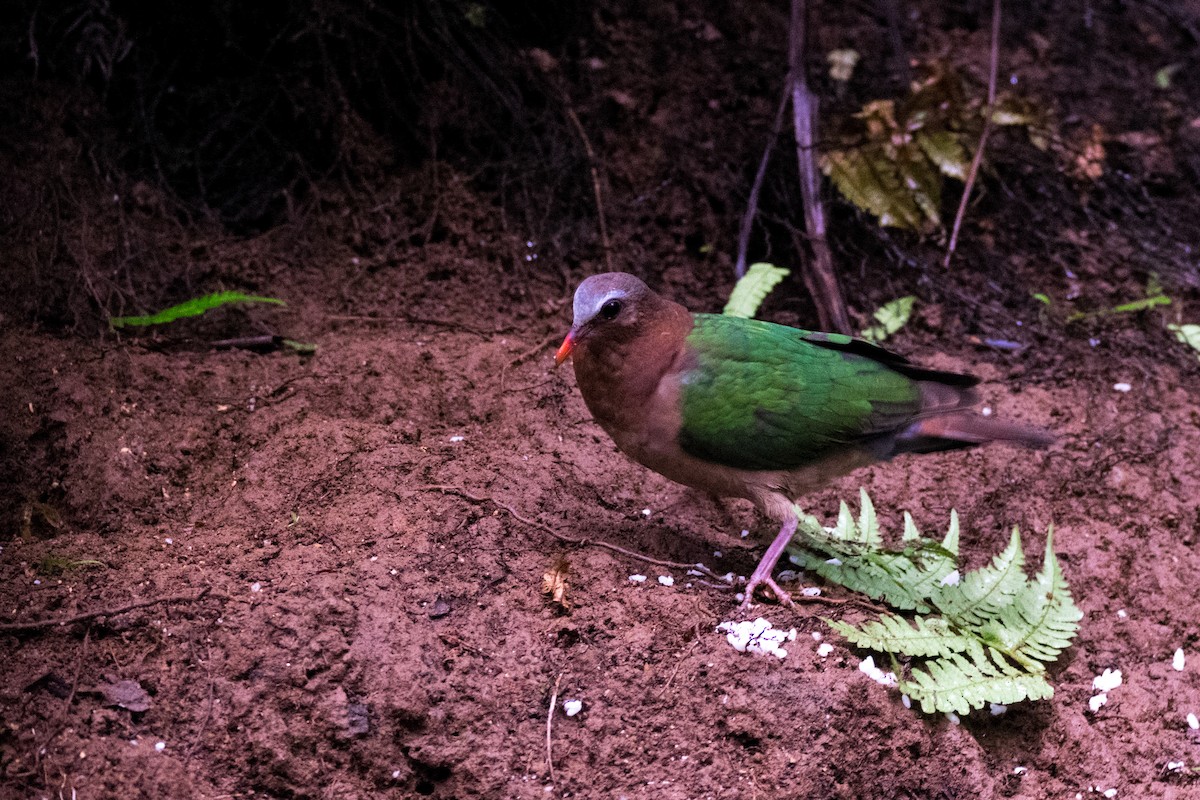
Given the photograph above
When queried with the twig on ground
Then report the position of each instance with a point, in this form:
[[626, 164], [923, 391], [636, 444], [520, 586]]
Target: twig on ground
[[701, 568], [550, 726], [60, 721], [15, 627], [756, 188], [993, 68]]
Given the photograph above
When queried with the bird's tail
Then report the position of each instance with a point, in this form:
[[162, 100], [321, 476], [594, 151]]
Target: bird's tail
[[948, 422], [966, 429]]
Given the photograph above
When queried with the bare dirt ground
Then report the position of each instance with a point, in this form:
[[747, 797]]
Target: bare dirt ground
[[345, 550]]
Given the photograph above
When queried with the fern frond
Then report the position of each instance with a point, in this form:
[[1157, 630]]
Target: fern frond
[[927, 637], [961, 682], [980, 596], [1042, 620], [983, 637]]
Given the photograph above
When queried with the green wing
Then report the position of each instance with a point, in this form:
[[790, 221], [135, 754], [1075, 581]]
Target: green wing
[[763, 396]]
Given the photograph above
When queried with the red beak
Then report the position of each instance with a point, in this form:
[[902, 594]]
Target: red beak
[[564, 351]]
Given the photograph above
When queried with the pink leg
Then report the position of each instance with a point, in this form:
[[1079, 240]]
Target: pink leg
[[762, 573]]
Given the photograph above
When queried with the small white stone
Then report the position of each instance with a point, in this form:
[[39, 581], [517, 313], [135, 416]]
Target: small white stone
[[637, 578], [572, 707], [1192, 722], [160, 746], [824, 649], [169, 540], [256, 587], [1178, 661], [1095, 702], [1121, 614], [745, 533], [717, 554], [646, 512], [997, 709], [395, 774], [833, 562], [1020, 770], [1110, 793], [1122, 387], [1110, 680], [666, 580], [986, 411], [1175, 766], [953, 718], [906, 700], [457, 439]]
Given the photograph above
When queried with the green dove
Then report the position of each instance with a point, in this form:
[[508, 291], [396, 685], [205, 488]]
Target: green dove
[[744, 408]]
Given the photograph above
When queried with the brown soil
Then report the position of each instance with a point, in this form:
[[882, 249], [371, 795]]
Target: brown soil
[[355, 542]]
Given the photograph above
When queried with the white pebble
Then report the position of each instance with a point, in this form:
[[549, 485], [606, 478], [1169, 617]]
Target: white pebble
[[810, 591], [757, 636], [646, 512], [1121, 614], [1192, 722], [745, 533], [788, 576], [666, 580], [160, 746], [256, 587], [457, 439], [717, 553], [953, 718], [997, 709], [637, 578], [572, 707], [1175, 766], [395, 774], [169, 540], [1020, 770], [1095, 702], [1121, 387], [906, 700], [824, 649], [1110, 680], [1110, 793], [867, 667], [833, 562], [986, 411], [1177, 661]]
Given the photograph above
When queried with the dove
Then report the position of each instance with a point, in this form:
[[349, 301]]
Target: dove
[[745, 408]]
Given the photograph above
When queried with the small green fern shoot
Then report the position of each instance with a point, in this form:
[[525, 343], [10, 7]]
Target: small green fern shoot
[[752, 288], [192, 308], [968, 640]]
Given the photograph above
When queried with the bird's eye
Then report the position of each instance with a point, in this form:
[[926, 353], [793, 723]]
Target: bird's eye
[[610, 309]]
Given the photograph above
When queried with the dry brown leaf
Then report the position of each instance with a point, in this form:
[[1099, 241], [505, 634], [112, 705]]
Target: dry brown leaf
[[554, 583]]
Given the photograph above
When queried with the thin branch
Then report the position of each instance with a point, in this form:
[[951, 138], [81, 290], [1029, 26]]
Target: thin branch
[[570, 539], [550, 726], [756, 188], [15, 627], [819, 274], [993, 68], [591, 154]]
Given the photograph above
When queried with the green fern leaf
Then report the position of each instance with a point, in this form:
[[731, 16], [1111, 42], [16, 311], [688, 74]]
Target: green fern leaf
[[192, 308], [1042, 620], [960, 682], [984, 637], [752, 288], [981, 595], [926, 636]]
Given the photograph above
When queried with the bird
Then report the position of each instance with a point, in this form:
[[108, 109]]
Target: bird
[[746, 408]]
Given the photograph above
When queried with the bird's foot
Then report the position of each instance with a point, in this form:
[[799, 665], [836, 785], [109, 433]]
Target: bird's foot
[[767, 582]]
